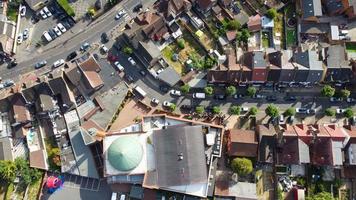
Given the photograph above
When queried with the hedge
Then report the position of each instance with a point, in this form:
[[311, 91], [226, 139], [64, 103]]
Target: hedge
[[65, 5]]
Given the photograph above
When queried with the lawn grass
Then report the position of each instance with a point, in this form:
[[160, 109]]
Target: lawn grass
[[168, 53], [291, 37], [351, 47], [265, 41], [66, 6], [9, 191], [12, 13], [33, 190]]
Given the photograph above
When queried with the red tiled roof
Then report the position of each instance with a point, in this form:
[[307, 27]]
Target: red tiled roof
[[231, 35], [242, 143], [350, 130], [21, 113], [38, 159], [335, 131], [288, 130], [90, 70], [254, 23], [204, 4]]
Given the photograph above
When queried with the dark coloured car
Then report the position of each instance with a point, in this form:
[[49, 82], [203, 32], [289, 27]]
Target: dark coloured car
[[52, 33], [104, 38], [35, 19], [129, 78], [137, 8], [40, 64], [163, 88], [220, 97], [186, 107], [271, 98], [72, 55], [291, 98], [12, 64], [96, 56]]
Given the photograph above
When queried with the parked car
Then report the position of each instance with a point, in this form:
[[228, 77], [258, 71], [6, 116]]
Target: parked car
[[40, 64], [271, 98], [104, 38], [137, 8], [186, 107], [290, 98], [340, 111], [25, 33], [166, 104], [72, 55], [311, 111], [155, 101], [35, 19], [85, 46], [220, 96], [43, 14], [163, 88], [48, 13], [52, 33], [131, 60], [129, 78], [175, 92], [238, 96], [119, 66], [281, 119], [61, 27], [58, 63], [258, 96], [244, 109], [301, 110], [350, 100], [104, 48], [23, 11], [120, 14], [334, 99], [57, 31], [8, 83], [19, 38]]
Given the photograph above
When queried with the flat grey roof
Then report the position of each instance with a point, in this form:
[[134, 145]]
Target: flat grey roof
[[169, 76]]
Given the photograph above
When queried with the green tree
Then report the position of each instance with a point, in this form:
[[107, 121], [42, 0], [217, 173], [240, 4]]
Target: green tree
[[216, 110], [128, 50], [209, 62], [320, 196], [243, 35], [233, 25], [272, 13], [251, 91], [231, 90], [345, 93], [185, 88], [173, 107], [180, 43], [253, 110], [209, 90], [7, 170], [330, 112], [235, 110], [242, 166], [328, 91], [289, 112], [199, 110], [272, 111], [348, 113]]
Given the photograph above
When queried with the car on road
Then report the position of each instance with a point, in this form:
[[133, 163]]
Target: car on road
[[176, 92], [258, 96], [290, 98], [155, 101], [137, 8], [48, 13], [104, 48], [52, 33], [301, 110], [71, 56], [58, 63], [40, 64], [25, 33], [104, 38], [19, 38], [23, 11], [119, 66], [131, 60], [129, 78], [12, 64], [220, 97], [35, 19], [271, 98], [334, 99], [57, 31], [43, 14], [163, 88], [85, 46], [350, 100], [167, 104], [311, 111], [8, 83], [340, 110], [238, 96], [120, 14], [143, 73], [2, 86], [61, 27], [281, 119], [244, 109]]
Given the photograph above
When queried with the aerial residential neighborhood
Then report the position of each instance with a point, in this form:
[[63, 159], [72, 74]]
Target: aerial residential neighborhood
[[178, 99]]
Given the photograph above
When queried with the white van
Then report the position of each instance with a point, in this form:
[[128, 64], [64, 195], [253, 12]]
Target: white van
[[47, 36], [199, 95], [114, 196], [122, 197], [140, 91]]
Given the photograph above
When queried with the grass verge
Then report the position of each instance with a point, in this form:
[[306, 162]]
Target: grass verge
[[65, 5]]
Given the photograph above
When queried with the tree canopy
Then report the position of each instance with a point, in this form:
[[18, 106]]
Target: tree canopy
[[128, 50], [345, 93], [330, 112], [328, 91], [233, 25], [320, 196], [253, 110], [173, 107], [349, 113], [290, 112], [180, 43], [242, 166], [243, 35], [272, 13], [209, 90], [251, 91], [20, 167], [235, 110], [216, 110], [185, 88], [199, 110], [231, 90], [272, 111]]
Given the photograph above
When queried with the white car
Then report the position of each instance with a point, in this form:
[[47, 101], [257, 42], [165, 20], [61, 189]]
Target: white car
[[340, 111], [244, 109], [26, 33], [131, 60], [23, 11], [19, 38], [281, 119], [43, 14], [120, 14], [155, 101], [167, 104], [104, 48], [57, 31], [350, 100], [58, 63], [334, 99], [119, 66], [61, 27], [175, 92], [45, 9]]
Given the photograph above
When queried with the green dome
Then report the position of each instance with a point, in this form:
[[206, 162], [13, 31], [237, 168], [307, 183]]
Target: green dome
[[125, 153]]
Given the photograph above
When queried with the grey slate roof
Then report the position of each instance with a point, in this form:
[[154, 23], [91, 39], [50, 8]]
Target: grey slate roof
[[311, 8], [6, 149], [309, 59], [169, 76], [169, 144], [336, 56], [303, 152]]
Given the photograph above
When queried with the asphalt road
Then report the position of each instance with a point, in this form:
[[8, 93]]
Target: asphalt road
[[90, 34]]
